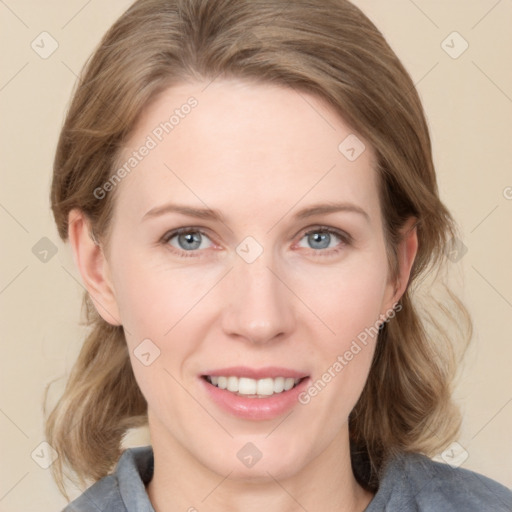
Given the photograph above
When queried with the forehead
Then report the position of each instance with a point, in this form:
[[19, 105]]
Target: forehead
[[233, 144]]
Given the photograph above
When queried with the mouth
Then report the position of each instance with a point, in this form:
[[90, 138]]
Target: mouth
[[253, 388], [255, 394]]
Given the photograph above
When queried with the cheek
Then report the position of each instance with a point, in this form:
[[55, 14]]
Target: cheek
[[166, 313], [348, 297], [154, 297], [349, 300], [351, 306], [155, 305]]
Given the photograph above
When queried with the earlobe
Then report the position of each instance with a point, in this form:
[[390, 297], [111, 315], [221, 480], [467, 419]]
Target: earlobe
[[90, 260]]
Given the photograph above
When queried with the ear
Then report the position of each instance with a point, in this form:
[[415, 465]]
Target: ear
[[90, 260], [406, 254]]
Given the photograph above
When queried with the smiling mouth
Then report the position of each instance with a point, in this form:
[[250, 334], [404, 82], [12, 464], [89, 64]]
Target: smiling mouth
[[253, 388]]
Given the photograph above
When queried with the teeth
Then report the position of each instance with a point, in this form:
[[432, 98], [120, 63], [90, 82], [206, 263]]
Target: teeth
[[265, 387], [233, 384], [252, 387]]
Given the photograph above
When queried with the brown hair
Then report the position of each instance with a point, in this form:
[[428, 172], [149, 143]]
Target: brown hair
[[328, 48]]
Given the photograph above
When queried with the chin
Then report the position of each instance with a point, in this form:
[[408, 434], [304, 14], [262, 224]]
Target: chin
[[255, 459], [263, 471]]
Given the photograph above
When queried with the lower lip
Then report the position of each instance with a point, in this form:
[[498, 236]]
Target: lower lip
[[255, 408]]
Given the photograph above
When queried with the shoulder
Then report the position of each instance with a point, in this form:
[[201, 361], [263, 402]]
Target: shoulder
[[103, 495], [414, 482], [122, 491]]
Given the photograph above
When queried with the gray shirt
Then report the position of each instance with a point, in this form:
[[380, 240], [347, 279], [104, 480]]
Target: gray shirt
[[410, 482]]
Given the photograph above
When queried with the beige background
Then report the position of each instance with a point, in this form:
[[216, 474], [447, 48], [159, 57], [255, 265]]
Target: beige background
[[469, 105]]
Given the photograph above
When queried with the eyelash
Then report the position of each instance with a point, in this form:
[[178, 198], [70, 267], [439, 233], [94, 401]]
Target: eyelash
[[346, 240]]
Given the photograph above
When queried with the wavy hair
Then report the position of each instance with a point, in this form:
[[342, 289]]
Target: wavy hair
[[328, 48]]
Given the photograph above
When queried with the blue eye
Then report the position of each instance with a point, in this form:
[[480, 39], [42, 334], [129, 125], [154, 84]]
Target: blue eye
[[323, 238], [188, 240]]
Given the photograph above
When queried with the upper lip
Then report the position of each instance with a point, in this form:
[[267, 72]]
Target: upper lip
[[256, 373]]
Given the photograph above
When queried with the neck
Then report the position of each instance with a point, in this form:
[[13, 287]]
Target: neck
[[181, 482]]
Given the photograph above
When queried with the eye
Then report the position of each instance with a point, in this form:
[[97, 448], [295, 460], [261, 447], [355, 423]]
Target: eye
[[186, 239], [324, 238]]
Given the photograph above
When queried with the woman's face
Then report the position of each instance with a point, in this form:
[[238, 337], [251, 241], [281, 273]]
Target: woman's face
[[278, 274]]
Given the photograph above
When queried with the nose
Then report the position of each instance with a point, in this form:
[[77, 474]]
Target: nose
[[259, 307]]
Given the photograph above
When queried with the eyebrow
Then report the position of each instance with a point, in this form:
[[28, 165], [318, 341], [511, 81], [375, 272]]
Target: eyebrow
[[325, 208], [215, 215]]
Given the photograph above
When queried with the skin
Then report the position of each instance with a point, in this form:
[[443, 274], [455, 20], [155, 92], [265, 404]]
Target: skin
[[258, 154]]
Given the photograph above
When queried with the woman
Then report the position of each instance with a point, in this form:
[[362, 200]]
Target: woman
[[249, 194]]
